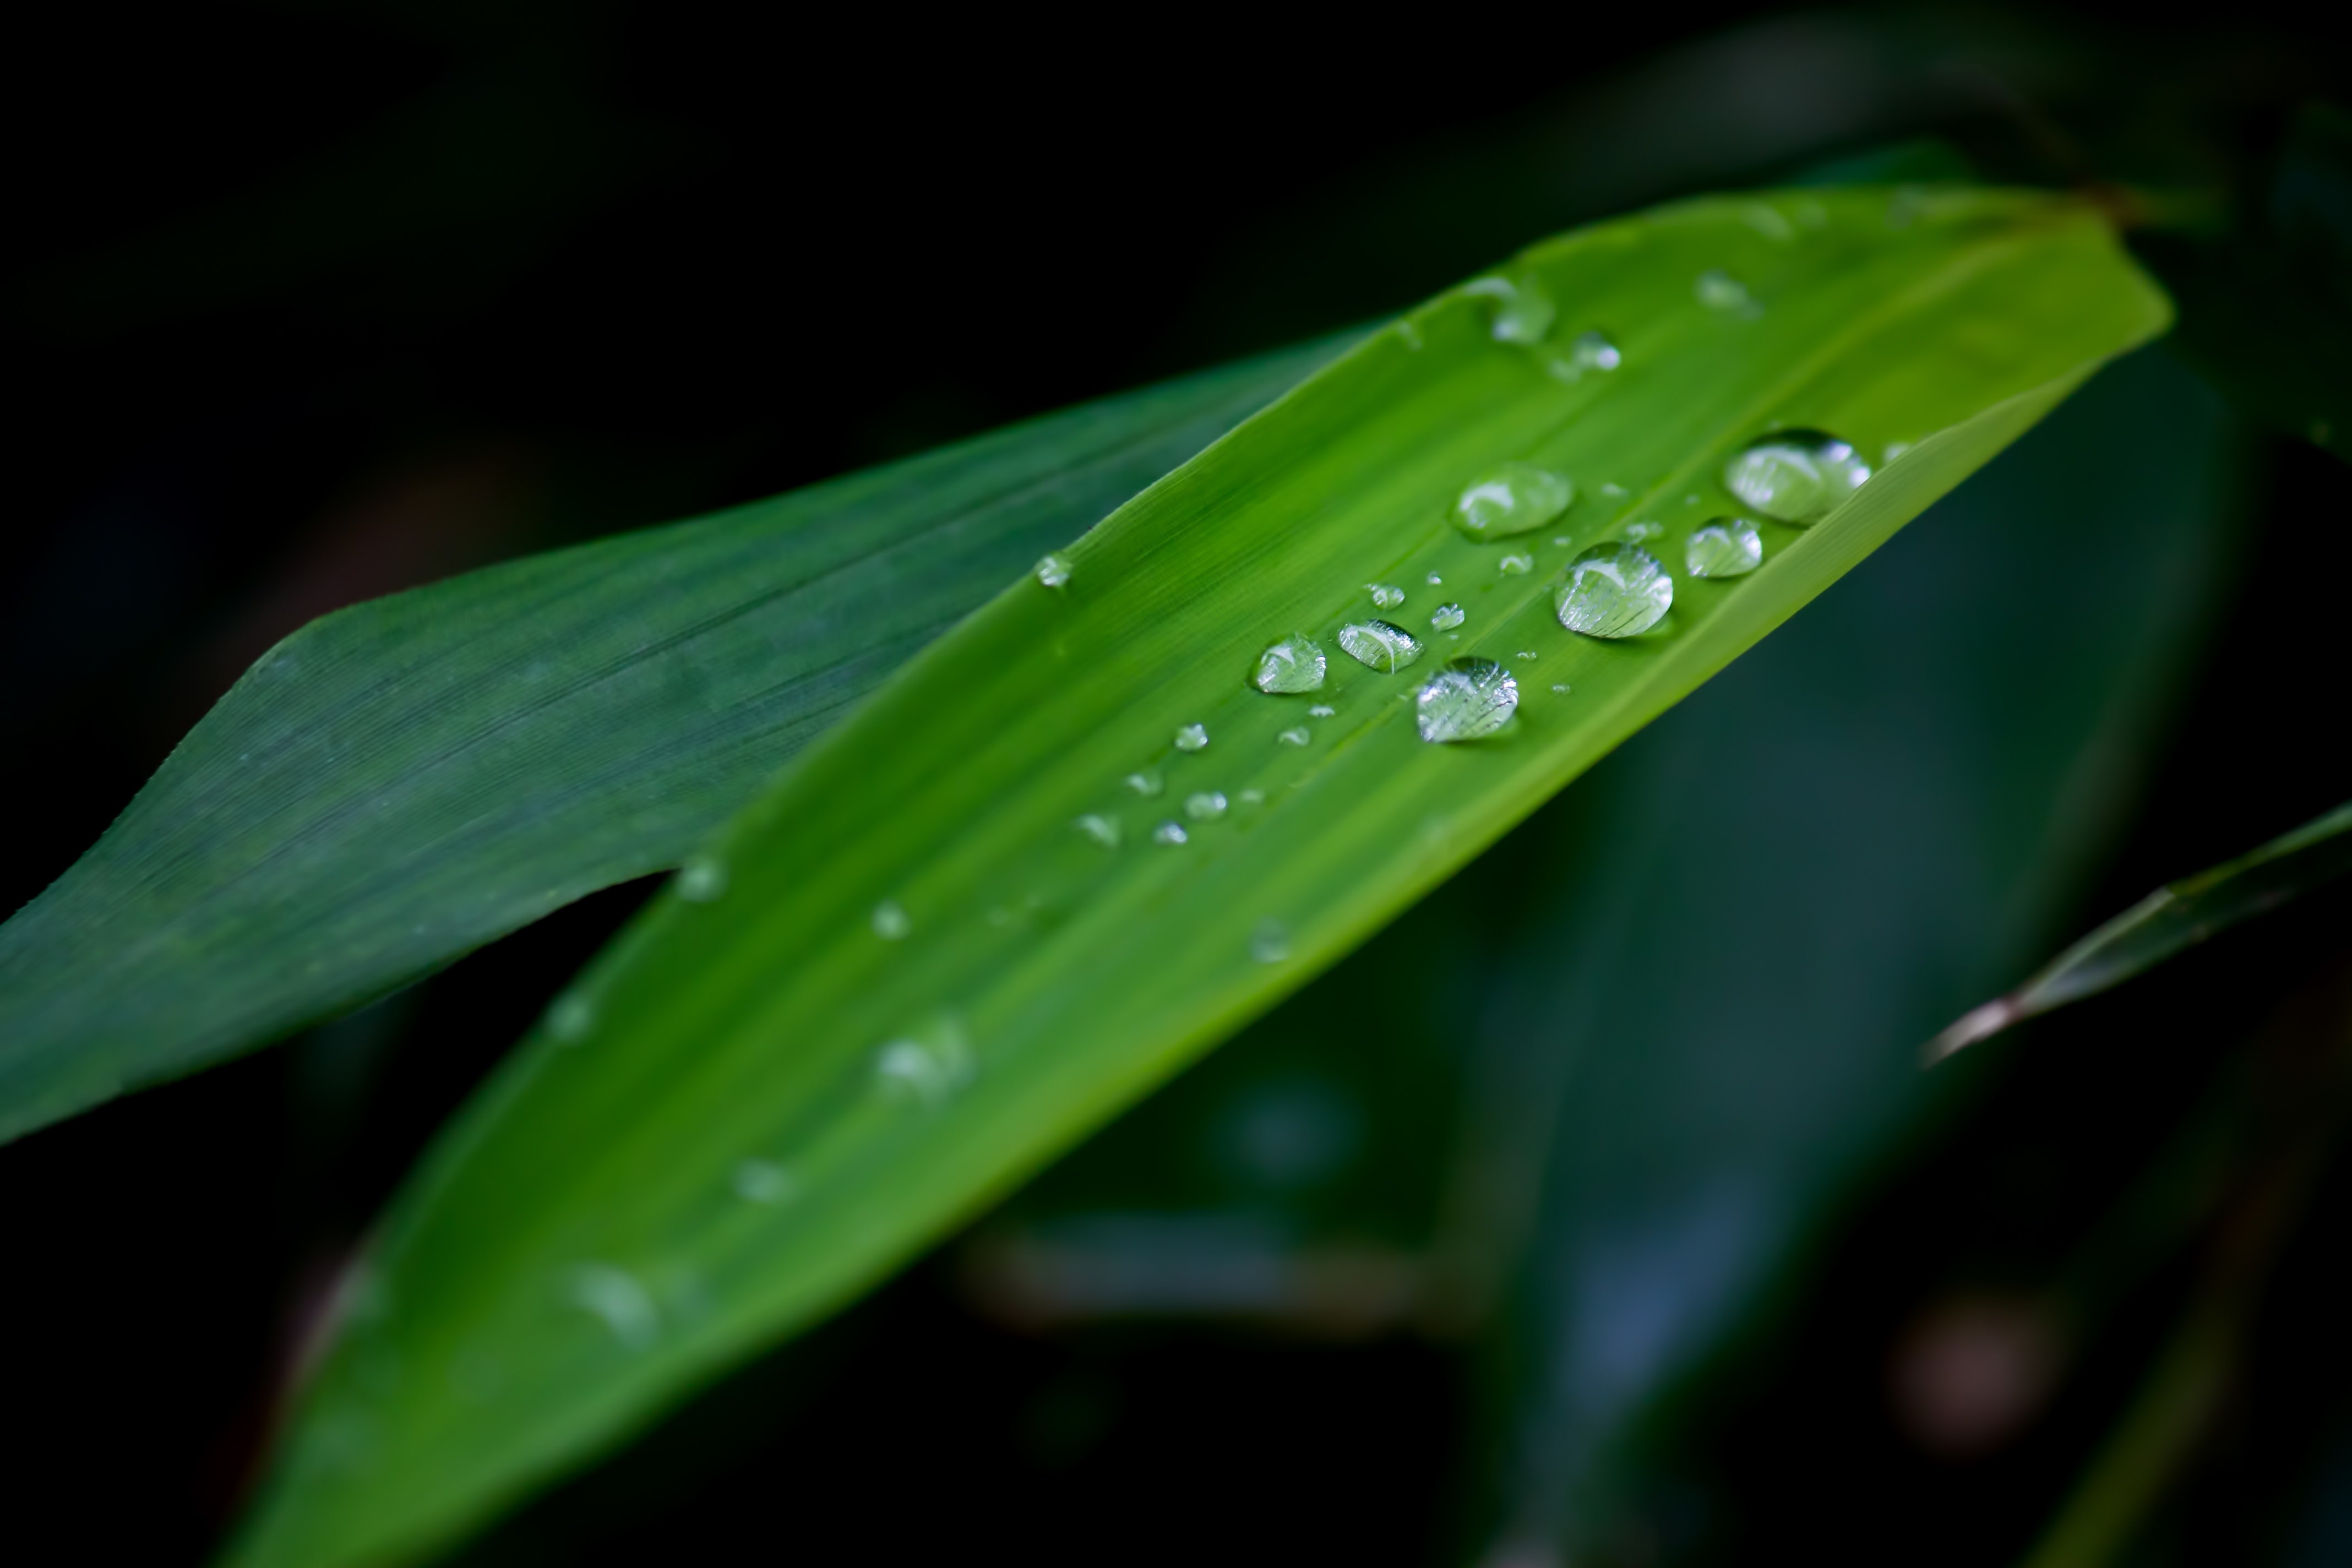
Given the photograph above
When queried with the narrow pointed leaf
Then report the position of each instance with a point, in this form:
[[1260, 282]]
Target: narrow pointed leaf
[[398, 783], [2166, 922], [1003, 900]]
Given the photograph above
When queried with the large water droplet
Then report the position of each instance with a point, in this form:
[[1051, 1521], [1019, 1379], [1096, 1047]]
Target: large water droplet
[[890, 921], [1719, 290], [1102, 829], [1446, 617], [615, 1295], [1170, 833], [1295, 664], [928, 1070], [1207, 805], [1726, 547], [1387, 595], [702, 879], [1192, 737], [1054, 571], [1522, 312], [763, 1181], [1512, 498], [1795, 476], [1614, 591], [1380, 645], [1467, 699]]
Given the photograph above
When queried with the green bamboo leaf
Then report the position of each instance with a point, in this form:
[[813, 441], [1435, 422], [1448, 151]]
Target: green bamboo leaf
[[400, 782], [2166, 922], [1072, 845]]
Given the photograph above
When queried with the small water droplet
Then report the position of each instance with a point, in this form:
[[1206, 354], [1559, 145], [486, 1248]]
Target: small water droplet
[[1446, 617], [1767, 220], [1590, 351], [890, 921], [571, 1018], [702, 879], [1101, 828], [1205, 807], [1726, 547], [1512, 498], [1298, 736], [1409, 333], [1270, 944], [1387, 595], [1467, 699], [1252, 798], [1321, 711], [763, 1181], [1380, 645], [1719, 290], [1638, 531], [1795, 476], [1614, 591], [1435, 581], [1522, 314], [1293, 664], [928, 1070], [1894, 450], [1526, 653], [1054, 571], [1170, 833], [1192, 737], [1614, 490], [1518, 563], [615, 1295], [1561, 688], [1146, 785]]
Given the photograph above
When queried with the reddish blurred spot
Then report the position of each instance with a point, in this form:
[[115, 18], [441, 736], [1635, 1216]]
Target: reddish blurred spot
[[1973, 1371]]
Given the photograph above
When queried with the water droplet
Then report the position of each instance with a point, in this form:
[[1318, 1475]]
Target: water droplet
[[1293, 664], [1894, 450], [1409, 333], [1726, 547], [1614, 591], [1446, 617], [1205, 807], [1614, 490], [1590, 352], [1192, 737], [1101, 828], [1170, 833], [1467, 699], [1719, 290], [1054, 571], [1145, 784], [1252, 798], [1638, 531], [1523, 313], [1767, 221], [1387, 595], [1270, 944], [615, 1295], [1518, 563], [928, 1070], [1435, 581], [763, 1181], [890, 921], [571, 1017], [1795, 476], [1561, 688], [1512, 498], [1380, 645], [1527, 653], [702, 879]]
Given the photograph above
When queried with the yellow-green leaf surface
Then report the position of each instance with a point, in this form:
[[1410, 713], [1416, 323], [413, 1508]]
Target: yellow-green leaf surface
[[909, 974], [400, 781]]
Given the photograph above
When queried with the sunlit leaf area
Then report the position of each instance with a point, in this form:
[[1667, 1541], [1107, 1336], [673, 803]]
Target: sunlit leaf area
[[1514, 792]]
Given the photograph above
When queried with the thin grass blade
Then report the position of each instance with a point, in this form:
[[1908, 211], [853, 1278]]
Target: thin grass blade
[[2168, 922], [1073, 844], [400, 782]]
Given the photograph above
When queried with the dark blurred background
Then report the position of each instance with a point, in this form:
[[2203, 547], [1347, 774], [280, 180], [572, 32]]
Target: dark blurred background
[[307, 303]]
